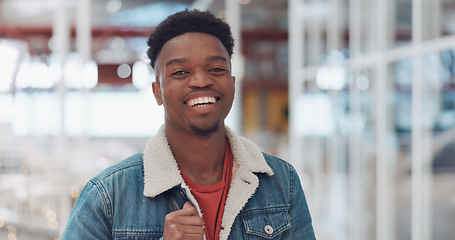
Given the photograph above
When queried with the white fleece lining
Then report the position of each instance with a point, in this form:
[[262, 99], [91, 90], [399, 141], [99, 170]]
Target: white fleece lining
[[161, 173]]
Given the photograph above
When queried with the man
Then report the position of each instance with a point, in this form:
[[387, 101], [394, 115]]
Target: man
[[196, 179]]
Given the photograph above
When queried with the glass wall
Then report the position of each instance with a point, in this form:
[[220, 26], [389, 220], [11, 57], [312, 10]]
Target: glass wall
[[372, 116]]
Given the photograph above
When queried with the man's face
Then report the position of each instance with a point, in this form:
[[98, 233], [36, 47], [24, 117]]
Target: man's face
[[194, 83]]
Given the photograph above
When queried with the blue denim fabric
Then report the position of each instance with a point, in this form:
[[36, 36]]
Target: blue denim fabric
[[113, 206]]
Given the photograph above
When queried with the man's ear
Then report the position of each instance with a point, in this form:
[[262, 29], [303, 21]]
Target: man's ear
[[157, 92]]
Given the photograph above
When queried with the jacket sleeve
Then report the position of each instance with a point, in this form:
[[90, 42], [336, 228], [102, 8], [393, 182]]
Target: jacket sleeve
[[301, 224], [90, 216]]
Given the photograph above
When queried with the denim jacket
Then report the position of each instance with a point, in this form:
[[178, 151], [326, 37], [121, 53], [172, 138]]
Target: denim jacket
[[126, 201]]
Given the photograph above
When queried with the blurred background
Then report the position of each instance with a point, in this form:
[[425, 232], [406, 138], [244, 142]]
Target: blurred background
[[359, 95]]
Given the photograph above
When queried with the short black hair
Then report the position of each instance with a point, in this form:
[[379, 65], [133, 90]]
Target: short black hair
[[188, 21]]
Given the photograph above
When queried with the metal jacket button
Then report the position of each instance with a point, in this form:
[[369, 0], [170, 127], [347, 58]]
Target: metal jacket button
[[268, 229]]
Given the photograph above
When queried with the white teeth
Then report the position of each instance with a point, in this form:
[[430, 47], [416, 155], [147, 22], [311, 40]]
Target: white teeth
[[200, 100]]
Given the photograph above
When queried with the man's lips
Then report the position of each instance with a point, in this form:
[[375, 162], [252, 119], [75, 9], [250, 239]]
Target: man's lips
[[201, 101]]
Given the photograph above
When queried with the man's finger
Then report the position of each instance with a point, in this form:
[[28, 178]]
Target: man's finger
[[187, 205], [187, 210]]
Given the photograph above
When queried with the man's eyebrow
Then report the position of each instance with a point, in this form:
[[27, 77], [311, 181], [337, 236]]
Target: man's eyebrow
[[184, 60], [217, 57], [176, 60]]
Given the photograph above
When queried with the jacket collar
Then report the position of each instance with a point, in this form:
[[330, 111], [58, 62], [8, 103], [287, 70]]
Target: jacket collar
[[161, 171]]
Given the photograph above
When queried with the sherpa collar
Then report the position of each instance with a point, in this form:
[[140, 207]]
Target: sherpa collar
[[161, 171]]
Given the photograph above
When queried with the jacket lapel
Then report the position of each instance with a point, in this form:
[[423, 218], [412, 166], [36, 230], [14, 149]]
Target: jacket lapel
[[161, 171], [245, 182]]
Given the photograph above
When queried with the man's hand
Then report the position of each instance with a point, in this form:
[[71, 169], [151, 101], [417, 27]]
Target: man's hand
[[183, 224]]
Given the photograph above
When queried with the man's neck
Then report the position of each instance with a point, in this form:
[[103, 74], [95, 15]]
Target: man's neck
[[201, 158]]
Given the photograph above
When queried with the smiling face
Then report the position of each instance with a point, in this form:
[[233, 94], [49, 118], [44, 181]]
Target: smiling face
[[194, 83]]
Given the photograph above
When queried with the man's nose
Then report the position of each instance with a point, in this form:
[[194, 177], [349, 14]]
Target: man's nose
[[200, 79]]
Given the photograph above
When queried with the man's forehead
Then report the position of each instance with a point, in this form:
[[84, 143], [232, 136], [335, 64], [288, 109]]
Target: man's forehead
[[191, 36]]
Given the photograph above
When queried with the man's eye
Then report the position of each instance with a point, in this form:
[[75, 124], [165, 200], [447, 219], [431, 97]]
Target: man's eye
[[218, 70], [179, 73]]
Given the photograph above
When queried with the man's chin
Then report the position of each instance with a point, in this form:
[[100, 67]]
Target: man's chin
[[205, 130]]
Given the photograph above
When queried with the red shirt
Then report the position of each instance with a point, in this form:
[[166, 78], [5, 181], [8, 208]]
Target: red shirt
[[212, 198]]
